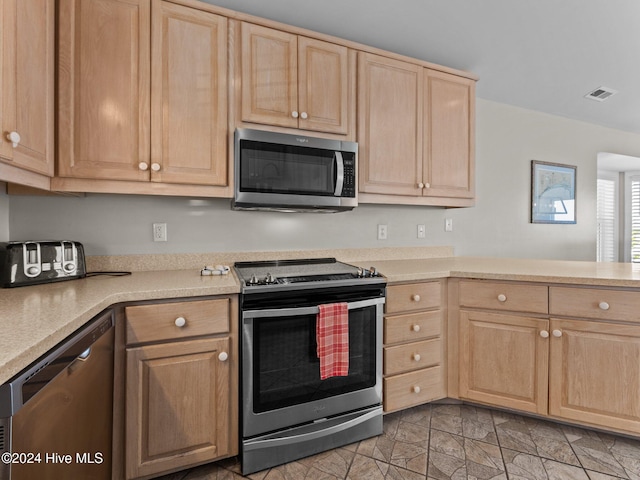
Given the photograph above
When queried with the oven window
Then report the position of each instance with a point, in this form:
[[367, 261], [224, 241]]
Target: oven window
[[286, 367], [271, 168]]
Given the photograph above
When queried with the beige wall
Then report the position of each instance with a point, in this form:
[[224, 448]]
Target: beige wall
[[507, 139]]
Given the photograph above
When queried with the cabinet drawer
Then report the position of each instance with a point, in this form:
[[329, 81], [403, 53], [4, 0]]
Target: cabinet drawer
[[414, 388], [503, 296], [413, 296], [412, 326], [158, 322], [412, 356], [598, 303]]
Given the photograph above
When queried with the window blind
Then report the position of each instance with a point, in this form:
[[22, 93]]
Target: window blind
[[606, 220], [635, 218]]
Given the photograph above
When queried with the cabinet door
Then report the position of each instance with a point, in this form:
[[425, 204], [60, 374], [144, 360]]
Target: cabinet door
[[389, 125], [269, 76], [27, 83], [104, 84], [504, 360], [595, 373], [177, 405], [449, 135], [323, 82], [188, 96]]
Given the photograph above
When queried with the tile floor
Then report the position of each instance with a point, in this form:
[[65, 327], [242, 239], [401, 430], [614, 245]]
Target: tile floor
[[458, 442]]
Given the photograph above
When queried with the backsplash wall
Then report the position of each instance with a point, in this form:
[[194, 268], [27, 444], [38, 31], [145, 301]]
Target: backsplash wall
[[507, 139]]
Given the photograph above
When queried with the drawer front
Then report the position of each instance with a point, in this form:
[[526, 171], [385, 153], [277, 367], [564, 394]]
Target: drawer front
[[160, 322], [504, 296], [412, 326], [414, 388], [599, 303], [413, 296], [412, 356]]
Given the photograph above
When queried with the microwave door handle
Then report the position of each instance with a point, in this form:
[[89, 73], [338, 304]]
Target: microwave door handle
[[290, 312], [339, 174]]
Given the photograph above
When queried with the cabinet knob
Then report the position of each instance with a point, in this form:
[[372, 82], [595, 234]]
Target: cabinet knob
[[143, 166], [427, 185], [544, 334], [416, 357], [557, 333], [415, 298], [295, 114], [421, 185], [155, 167], [415, 328], [502, 297], [415, 389], [223, 356], [180, 322], [14, 138], [304, 115], [604, 306]]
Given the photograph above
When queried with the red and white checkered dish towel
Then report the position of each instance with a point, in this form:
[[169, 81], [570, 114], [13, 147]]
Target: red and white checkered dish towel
[[332, 336]]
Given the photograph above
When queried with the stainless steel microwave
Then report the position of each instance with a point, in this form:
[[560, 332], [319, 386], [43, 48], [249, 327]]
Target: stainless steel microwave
[[284, 172]]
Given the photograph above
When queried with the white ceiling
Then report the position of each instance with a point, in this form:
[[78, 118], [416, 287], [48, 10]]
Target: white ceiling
[[542, 55]]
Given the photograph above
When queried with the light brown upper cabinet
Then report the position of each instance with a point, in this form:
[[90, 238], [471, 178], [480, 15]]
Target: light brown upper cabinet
[[294, 81], [415, 133], [142, 94], [27, 84]]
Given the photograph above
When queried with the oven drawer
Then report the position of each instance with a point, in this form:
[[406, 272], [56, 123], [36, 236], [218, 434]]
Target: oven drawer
[[172, 321], [598, 303], [413, 296], [503, 296], [411, 356], [412, 326], [414, 388]]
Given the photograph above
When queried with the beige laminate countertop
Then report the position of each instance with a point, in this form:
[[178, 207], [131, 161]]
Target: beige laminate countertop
[[36, 318]]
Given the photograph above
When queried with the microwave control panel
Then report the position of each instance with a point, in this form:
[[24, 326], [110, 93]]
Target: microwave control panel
[[349, 187]]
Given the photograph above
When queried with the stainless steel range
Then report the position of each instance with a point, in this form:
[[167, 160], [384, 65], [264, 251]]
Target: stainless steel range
[[288, 410]]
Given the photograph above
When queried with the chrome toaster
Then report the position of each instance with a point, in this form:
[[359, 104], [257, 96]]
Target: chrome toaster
[[29, 263]]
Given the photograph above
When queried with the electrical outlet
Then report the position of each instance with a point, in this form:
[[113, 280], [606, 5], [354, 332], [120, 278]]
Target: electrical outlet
[[159, 232], [422, 231], [448, 224], [382, 232]]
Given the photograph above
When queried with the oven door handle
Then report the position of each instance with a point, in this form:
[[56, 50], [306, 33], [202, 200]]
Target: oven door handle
[[290, 312]]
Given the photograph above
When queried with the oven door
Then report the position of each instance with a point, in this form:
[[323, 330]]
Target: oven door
[[281, 374]]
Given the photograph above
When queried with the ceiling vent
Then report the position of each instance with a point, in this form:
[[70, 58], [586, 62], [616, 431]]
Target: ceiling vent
[[600, 94]]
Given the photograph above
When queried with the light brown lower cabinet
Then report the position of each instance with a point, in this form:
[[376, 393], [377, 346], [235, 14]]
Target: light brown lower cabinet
[[504, 360], [595, 373], [181, 387], [584, 369], [414, 371]]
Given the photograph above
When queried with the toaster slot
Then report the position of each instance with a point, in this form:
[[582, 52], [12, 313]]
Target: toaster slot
[[32, 259]]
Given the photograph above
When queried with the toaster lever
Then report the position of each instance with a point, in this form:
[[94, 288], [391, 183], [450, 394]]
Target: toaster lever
[[69, 257]]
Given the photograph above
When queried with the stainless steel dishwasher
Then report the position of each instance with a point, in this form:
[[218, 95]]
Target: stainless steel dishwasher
[[56, 415]]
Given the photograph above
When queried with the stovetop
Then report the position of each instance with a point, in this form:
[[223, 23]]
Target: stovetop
[[302, 273]]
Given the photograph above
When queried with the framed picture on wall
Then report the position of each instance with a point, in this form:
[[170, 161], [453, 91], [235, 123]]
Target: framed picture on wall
[[553, 193]]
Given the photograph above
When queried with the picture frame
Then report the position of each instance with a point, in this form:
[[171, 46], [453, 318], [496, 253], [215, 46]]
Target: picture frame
[[553, 193]]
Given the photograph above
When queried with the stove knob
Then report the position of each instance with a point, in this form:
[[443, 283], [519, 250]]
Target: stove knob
[[270, 279], [253, 280], [373, 272], [360, 272]]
